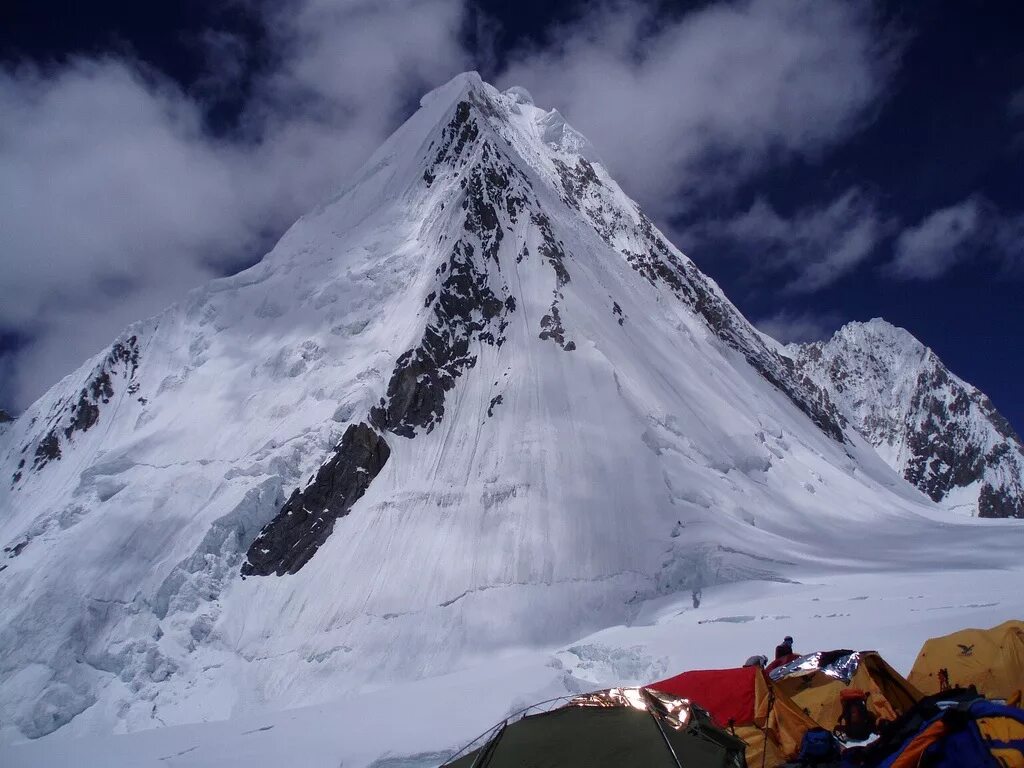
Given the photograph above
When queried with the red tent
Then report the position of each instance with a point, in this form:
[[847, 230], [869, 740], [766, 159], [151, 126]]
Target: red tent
[[728, 694], [746, 701]]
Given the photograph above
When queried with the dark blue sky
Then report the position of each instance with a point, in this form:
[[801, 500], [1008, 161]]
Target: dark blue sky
[[943, 131]]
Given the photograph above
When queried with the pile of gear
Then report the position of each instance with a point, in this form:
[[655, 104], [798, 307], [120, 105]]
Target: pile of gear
[[960, 706]]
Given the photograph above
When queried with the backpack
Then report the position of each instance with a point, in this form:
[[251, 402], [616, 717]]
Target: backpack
[[818, 746], [856, 723]]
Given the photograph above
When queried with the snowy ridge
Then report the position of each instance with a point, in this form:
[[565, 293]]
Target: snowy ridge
[[942, 434], [475, 402]]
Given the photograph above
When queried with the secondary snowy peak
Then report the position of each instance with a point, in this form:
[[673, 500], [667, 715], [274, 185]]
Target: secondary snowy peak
[[942, 434]]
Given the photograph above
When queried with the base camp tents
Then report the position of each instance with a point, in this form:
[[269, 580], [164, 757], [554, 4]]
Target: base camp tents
[[616, 728], [814, 682], [992, 660], [745, 701]]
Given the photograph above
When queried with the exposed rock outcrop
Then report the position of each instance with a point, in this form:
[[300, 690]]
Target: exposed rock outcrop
[[307, 518]]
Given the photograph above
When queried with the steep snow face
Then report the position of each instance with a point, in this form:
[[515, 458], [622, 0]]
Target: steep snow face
[[939, 432], [475, 402], [5, 422]]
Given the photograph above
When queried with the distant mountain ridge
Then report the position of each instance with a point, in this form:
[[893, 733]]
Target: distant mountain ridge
[[939, 432]]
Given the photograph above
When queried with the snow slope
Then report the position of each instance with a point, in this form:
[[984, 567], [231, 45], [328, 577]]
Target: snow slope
[[891, 612], [939, 432], [476, 404]]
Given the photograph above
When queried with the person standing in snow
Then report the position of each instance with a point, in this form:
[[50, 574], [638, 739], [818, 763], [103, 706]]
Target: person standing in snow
[[783, 654]]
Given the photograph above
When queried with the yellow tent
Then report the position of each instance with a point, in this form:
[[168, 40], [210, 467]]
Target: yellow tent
[[746, 702], [992, 660], [814, 683]]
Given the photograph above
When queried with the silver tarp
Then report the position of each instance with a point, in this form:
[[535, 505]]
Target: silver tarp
[[673, 711], [840, 665]]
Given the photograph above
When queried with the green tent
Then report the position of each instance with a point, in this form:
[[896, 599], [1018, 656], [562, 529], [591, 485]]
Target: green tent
[[617, 728]]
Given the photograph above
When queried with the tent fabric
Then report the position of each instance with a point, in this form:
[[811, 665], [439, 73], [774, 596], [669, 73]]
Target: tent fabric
[[609, 731], [727, 694], [992, 660], [982, 734], [578, 736], [818, 694], [747, 702]]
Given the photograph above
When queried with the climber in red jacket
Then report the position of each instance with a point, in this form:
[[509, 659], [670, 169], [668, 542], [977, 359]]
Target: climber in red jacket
[[783, 654]]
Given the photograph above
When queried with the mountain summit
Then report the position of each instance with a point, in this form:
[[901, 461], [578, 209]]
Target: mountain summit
[[476, 401]]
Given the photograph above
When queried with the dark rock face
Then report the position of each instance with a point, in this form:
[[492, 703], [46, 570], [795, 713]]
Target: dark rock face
[[617, 311], [471, 304], [16, 549], [460, 131], [307, 518], [496, 400], [121, 363], [943, 455], [468, 306], [551, 328], [5, 417], [48, 450], [576, 181], [553, 252], [465, 309], [1000, 502]]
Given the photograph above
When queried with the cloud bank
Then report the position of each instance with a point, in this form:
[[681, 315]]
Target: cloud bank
[[683, 109], [118, 199]]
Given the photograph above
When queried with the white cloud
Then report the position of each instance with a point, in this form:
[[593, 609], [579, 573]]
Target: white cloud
[[686, 108], [939, 241], [787, 327], [817, 245], [973, 229], [117, 200], [1008, 244], [1015, 105]]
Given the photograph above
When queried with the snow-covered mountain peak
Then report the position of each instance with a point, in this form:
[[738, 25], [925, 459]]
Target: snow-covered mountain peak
[[880, 331], [474, 401], [942, 434]]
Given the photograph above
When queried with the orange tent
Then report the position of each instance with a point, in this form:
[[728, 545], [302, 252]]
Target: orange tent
[[992, 660], [815, 681]]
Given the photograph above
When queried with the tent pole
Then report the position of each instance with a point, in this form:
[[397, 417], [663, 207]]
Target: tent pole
[[767, 722], [664, 736], [481, 760]]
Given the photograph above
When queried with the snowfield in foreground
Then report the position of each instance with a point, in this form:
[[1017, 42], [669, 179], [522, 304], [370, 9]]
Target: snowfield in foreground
[[418, 725]]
